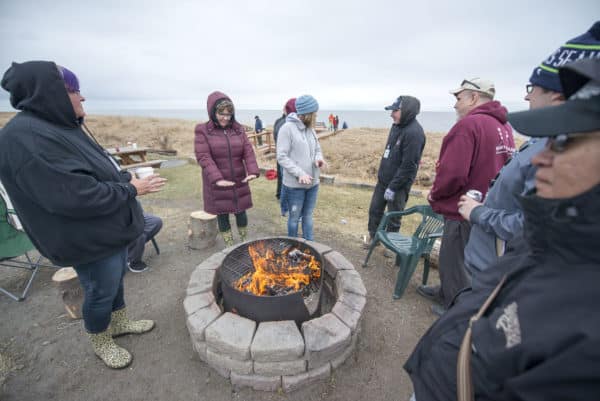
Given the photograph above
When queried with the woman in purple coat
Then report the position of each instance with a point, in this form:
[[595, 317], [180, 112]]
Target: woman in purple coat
[[228, 163]]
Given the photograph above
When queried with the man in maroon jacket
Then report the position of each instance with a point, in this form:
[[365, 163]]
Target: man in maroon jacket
[[472, 153]]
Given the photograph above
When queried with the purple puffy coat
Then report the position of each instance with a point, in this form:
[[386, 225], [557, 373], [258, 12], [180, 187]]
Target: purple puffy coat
[[224, 154]]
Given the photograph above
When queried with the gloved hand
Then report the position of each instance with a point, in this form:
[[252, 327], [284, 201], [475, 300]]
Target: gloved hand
[[389, 195]]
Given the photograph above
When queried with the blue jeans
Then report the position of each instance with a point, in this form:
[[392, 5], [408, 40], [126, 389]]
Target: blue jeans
[[301, 203], [102, 283]]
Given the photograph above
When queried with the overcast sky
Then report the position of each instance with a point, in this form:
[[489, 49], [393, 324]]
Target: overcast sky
[[350, 55]]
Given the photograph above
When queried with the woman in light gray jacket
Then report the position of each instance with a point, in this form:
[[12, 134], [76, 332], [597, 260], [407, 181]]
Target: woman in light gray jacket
[[300, 157]]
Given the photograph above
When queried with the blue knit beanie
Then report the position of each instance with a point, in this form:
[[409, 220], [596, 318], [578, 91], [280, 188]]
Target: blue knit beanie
[[581, 47], [306, 104]]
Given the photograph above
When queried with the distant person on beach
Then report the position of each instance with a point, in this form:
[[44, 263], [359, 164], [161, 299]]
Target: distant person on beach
[[228, 164], [471, 155], [290, 107], [336, 122], [532, 332], [258, 128], [299, 153], [399, 164], [331, 120], [77, 207], [344, 125], [499, 219]]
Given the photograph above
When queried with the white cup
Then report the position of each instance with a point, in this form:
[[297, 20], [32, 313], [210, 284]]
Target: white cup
[[143, 172]]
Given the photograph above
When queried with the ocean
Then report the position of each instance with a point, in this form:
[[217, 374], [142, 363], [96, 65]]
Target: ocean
[[432, 121]]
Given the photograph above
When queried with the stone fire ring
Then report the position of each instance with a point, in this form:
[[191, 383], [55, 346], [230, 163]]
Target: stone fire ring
[[275, 354]]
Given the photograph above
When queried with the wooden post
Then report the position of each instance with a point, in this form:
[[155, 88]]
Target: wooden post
[[269, 142], [70, 291], [202, 231]]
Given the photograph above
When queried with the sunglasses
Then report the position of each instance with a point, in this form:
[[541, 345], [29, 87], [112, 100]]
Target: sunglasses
[[529, 88], [226, 116], [560, 142], [466, 81]]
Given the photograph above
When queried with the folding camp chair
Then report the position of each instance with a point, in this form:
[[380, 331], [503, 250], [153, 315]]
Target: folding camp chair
[[15, 247]]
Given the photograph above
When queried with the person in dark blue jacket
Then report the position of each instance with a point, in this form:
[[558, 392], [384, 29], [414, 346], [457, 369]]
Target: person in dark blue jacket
[[258, 128], [529, 329], [75, 204]]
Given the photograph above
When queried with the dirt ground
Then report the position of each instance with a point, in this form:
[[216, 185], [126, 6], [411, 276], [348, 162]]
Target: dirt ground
[[46, 356]]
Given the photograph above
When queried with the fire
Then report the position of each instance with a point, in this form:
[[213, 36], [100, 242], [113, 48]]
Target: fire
[[278, 273]]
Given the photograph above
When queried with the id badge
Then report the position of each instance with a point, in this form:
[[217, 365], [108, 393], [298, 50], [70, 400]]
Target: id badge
[[386, 153]]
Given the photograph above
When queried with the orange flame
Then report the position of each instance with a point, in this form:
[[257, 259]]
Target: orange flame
[[278, 274]]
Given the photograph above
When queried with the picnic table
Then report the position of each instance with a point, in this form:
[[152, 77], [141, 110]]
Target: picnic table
[[130, 157]]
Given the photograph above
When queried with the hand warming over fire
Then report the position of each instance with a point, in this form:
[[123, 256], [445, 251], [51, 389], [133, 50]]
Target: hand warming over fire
[[150, 184], [225, 183], [321, 164], [249, 178], [305, 179]]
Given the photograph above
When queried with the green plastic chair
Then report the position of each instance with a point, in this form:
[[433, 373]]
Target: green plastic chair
[[14, 252], [409, 249]]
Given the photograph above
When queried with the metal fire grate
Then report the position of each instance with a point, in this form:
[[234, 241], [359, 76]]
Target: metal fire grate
[[238, 262]]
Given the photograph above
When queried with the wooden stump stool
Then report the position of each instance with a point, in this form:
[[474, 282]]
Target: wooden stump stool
[[70, 291], [202, 231]]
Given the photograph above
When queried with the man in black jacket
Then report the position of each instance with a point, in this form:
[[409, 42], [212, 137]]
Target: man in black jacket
[[538, 335], [76, 205], [399, 163]]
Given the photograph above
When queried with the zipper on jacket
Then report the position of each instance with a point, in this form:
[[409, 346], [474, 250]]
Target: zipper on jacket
[[235, 199]]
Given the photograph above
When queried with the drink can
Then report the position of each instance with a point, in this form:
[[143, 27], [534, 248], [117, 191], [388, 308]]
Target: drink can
[[474, 194]]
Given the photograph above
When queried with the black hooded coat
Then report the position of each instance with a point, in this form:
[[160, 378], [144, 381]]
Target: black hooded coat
[[74, 204], [405, 143]]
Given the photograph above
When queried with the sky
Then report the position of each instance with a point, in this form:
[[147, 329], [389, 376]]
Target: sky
[[350, 55]]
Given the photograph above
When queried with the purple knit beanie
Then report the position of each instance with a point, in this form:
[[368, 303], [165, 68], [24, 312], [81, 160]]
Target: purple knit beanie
[[290, 106], [71, 81]]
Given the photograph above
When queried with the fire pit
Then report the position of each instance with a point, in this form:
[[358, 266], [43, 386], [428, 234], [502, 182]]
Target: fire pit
[[309, 328], [272, 279]]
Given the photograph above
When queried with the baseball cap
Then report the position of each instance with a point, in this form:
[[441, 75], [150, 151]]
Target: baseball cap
[[478, 85], [397, 105], [580, 113]]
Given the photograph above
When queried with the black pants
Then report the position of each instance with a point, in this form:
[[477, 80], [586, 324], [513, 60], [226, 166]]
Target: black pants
[[241, 219], [152, 225], [378, 205], [279, 178], [453, 275]]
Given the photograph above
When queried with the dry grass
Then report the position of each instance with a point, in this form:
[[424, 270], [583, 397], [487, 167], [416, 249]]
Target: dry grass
[[353, 155], [341, 209], [159, 133]]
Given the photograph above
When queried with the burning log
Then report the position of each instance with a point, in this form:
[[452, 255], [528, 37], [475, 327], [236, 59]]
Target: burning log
[[278, 273], [296, 254]]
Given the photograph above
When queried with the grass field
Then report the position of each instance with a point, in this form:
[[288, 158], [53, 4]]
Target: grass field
[[341, 209]]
